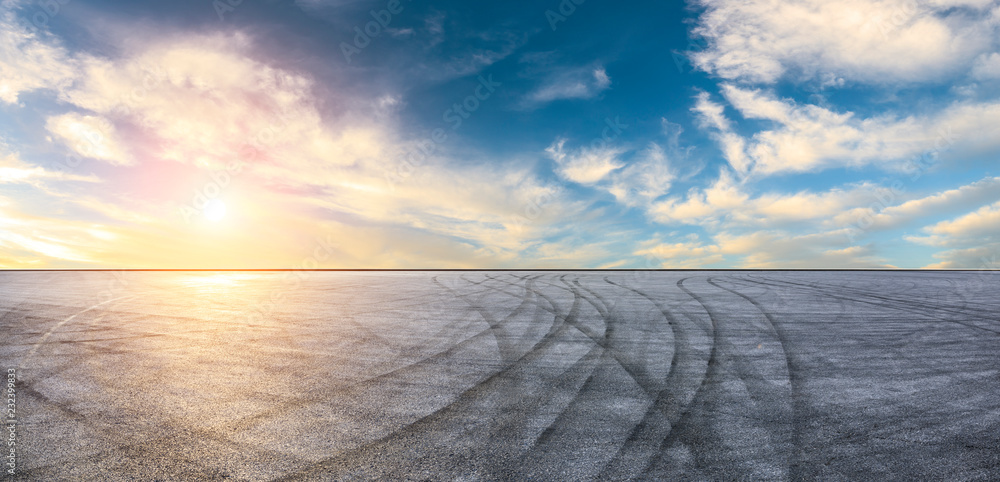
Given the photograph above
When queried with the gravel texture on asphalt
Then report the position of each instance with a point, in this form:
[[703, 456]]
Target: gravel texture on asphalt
[[487, 375]]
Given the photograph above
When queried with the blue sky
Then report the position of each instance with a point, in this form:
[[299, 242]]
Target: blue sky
[[705, 134]]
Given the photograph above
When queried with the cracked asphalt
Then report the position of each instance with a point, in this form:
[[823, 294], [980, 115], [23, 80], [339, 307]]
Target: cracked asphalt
[[490, 375]]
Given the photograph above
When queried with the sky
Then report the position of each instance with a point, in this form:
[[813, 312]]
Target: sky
[[517, 134]]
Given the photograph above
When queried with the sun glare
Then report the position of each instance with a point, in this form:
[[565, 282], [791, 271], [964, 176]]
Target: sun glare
[[215, 210]]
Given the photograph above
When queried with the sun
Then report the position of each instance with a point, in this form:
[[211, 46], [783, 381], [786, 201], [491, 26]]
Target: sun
[[215, 210]]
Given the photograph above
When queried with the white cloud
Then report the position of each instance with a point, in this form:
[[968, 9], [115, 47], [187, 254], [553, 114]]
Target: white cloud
[[819, 229], [644, 179], [588, 165], [780, 249], [204, 101], [972, 240], [577, 83], [28, 60], [711, 115], [702, 205], [811, 138], [982, 225], [984, 257], [987, 67], [686, 255], [765, 249], [470, 51], [14, 170], [887, 208], [726, 203], [39, 239], [89, 136], [872, 41]]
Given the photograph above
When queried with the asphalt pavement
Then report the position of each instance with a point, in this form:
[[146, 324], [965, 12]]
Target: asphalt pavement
[[490, 375]]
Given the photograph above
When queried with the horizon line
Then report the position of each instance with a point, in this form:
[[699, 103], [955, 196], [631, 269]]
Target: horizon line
[[482, 269]]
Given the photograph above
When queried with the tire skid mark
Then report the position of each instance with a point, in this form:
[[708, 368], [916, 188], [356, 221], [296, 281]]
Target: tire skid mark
[[448, 331], [120, 447], [633, 457], [553, 439], [641, 379], [52, 330], [178, 320], [987, 309], [402, 439], [960, 380], [752, 376], [930, 370], [564, 387], [560, 323], [140, 451], [27, 385], [818, 292], [25, 300], [231, 428], [623, 357], [452, 349], [894, 303], [677, 426], [798, 408], [306, 399], [897, 307], [599, 345], [52, 371], [28, 388], [758, 431], [497, 328], [627, 348], [710, 376]]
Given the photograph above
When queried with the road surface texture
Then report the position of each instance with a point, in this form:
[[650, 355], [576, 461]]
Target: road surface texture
[[484, 375]]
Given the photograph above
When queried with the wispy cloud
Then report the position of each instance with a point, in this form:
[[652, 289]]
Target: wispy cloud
[[765, 249], [851, 41], [13, 171], [809, 138], [982, 225], [89, 136], [588, 165], [896, 211], [204, 103], [711, 116], [304, 152], [576, 83], [29, 59], [971, 240]]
